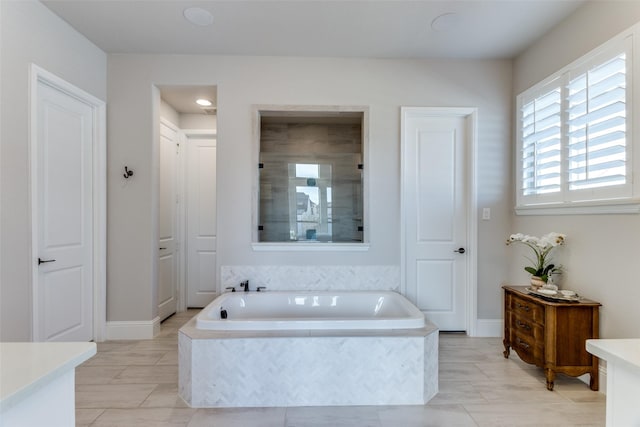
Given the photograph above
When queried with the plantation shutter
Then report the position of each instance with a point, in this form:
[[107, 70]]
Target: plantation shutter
[[596, 120], [541, 142]]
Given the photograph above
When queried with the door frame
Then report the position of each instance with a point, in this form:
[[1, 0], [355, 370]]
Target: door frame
[[183, 213], [99, 191], [179, 230], [470, 114]]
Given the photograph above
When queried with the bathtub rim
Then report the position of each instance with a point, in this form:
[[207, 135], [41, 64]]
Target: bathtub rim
[[414, 321]]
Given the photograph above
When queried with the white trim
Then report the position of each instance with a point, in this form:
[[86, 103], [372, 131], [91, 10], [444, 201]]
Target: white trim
[[133, 330], [592, 201], [98, 106], [471, 114], [608, 207], [489, 328]]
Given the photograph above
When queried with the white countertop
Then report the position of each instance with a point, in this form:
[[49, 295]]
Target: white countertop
[[25, 367], [626, 352]]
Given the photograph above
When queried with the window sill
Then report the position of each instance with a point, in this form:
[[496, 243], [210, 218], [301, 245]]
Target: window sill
[[309, 247], [592, 208]]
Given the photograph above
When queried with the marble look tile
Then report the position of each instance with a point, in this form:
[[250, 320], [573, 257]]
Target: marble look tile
[[164, 396], [459, 371], [480, 385], [169, 358], [421, 416], [97, 374], [522, 393], [143, 417], [310, 371], [466, 355], [241, 417], [531, 413], [157, 344], [112, 395], [460, 392], [287, 277], [87, 416], [115, 358], [338, 416], [157, 374], [116, 346]]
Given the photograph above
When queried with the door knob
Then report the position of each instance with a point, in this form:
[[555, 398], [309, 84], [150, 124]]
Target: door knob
[[460, 250], [42, 261]]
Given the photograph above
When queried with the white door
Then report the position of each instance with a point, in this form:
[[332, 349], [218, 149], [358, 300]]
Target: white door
[[435, 216], [201, 221], [167, 222], [63, 217]]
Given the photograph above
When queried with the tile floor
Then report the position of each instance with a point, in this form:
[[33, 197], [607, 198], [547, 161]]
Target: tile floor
[[134, 383]]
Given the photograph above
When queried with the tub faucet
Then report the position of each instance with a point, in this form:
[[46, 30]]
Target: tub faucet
[[245, 285]]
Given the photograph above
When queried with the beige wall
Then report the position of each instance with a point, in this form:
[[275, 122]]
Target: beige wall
[[383, 85], [602, 252], [30, 34]]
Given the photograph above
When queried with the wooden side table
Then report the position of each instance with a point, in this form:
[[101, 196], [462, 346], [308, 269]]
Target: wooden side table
[[551, 334]]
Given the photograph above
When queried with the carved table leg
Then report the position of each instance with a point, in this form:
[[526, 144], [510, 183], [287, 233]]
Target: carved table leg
[[551, 376], [506, 351]]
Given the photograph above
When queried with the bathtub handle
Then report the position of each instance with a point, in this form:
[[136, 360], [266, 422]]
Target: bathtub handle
[[261, 288], [231, 288]]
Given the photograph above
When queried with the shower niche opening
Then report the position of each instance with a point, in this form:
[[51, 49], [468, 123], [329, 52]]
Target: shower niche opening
[[311, 169]]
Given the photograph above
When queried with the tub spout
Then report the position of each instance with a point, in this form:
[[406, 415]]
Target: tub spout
[[245, 285]]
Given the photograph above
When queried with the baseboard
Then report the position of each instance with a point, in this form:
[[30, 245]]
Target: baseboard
[[489, 327], [133, 330]]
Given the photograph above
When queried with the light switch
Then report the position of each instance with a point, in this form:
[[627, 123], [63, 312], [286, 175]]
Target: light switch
[[486, 214]]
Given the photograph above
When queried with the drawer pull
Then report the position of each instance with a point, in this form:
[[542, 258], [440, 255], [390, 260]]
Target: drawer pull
[[523, 307], [523, 325], [523, 344]]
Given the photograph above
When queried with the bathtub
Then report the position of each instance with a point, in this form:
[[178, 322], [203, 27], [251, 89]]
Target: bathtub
[[268, 311], [279, 349]]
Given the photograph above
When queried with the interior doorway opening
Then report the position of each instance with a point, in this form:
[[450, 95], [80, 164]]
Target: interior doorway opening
[[187, 220]]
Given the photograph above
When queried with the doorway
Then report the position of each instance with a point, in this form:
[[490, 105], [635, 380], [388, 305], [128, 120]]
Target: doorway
[[438, 214], [68, 206], [187, 273]]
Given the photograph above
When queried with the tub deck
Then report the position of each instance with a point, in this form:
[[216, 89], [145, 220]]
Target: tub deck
[[305, 367]]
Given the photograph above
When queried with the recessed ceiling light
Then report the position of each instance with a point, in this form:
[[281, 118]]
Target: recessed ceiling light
[[204, 102], [198, 16], [445, 22]]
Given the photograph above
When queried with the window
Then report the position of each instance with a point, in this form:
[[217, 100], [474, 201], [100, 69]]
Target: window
[[574, 133]]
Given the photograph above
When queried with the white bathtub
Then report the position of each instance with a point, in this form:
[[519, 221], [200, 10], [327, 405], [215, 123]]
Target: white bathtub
[[262, 311]]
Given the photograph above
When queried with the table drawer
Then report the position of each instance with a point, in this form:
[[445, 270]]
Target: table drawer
[[527, 310], [526, 327], [528, 348]]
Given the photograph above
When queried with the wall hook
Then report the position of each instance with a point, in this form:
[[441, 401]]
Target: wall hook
[[127, 173]]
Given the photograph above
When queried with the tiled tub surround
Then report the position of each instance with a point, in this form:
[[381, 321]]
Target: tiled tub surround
[[307, 367], [313, 278]]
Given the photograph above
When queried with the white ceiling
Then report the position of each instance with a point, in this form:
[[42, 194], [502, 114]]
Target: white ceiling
[[182, 98], [342, 28], [337, 28]]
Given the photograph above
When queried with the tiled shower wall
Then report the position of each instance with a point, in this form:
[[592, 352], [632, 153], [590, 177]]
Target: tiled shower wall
[[337, 145], [313, 277]]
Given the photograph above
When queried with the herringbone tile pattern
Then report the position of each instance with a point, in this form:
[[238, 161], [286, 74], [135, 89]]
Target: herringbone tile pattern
[[134, 383]]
